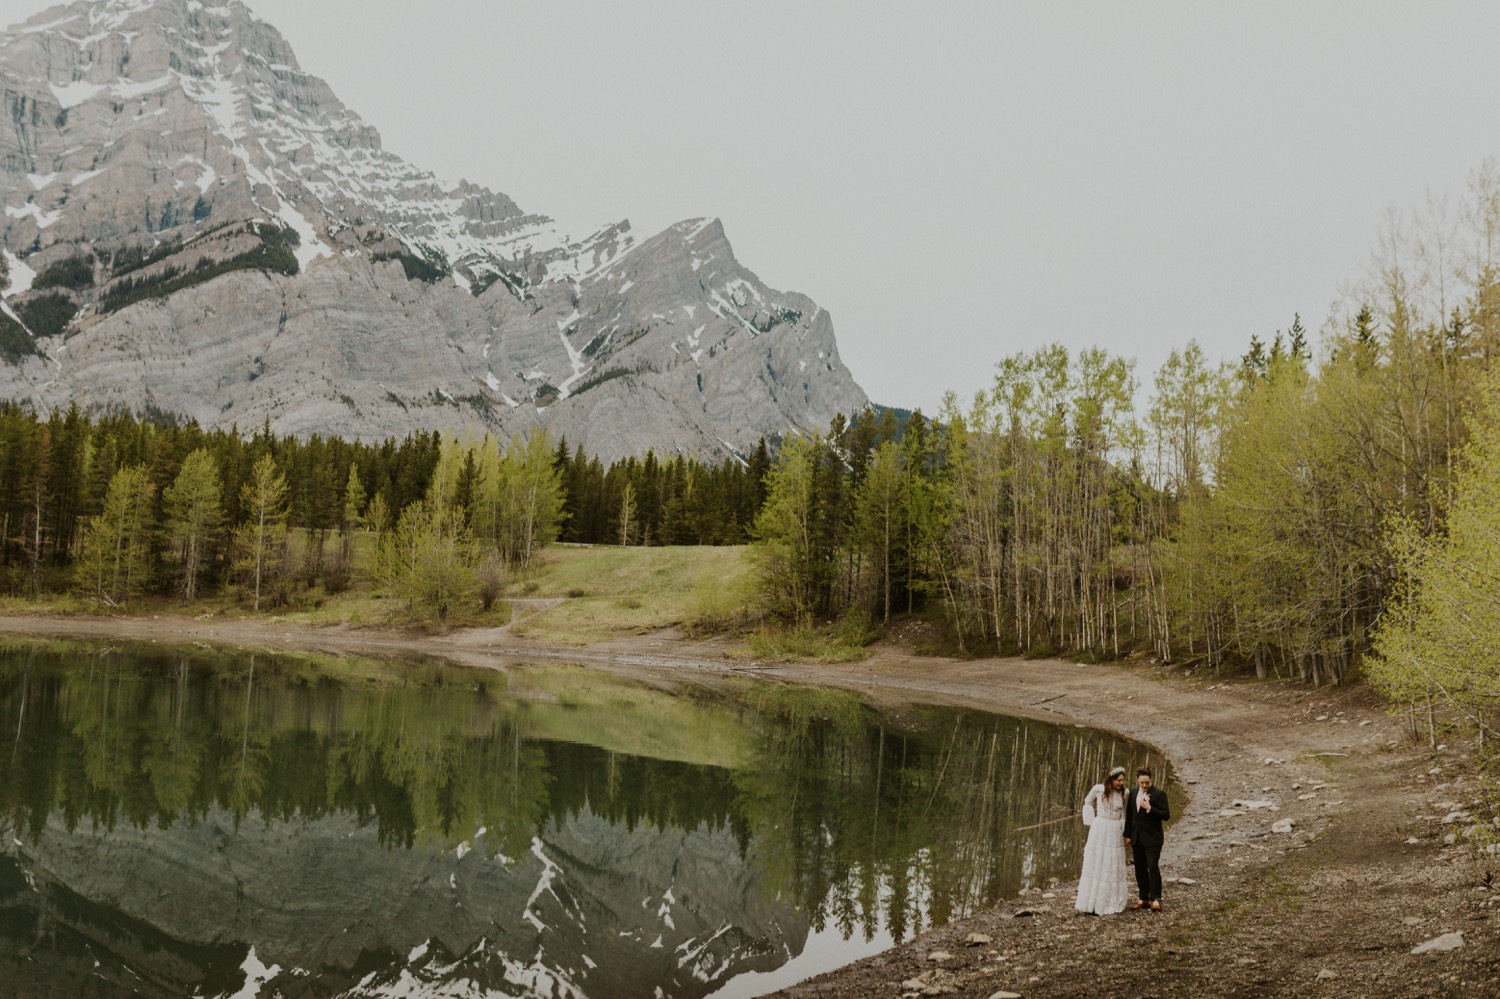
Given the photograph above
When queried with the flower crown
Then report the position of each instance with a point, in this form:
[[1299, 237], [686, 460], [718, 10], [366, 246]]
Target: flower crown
[[1116, 772]]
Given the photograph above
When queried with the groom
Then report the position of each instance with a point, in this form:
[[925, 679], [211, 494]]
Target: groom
[[1145, 811]]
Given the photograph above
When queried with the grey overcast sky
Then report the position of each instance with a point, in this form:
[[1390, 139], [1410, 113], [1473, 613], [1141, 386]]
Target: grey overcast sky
[[954, 180]]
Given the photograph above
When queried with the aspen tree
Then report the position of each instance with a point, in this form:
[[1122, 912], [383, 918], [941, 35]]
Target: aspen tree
[[261, 539], [113, 563], [194, 513]]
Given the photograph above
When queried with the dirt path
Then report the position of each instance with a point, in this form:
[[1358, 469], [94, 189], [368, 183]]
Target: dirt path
[[1369, 870]]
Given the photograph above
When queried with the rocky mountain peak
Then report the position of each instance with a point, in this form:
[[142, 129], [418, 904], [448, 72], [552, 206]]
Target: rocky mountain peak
[[175, 186]]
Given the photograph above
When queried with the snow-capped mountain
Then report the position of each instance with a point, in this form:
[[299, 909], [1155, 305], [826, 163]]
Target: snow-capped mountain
[[195, 226]]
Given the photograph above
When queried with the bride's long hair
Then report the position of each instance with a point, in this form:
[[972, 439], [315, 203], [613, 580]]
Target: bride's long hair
[[1110, 791]]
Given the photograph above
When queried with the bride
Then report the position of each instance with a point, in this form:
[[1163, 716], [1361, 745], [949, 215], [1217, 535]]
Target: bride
[[1103, 887]]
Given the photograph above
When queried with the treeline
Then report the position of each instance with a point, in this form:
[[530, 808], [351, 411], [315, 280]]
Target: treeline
[[1271, 514], [117, 507], [650, 501]]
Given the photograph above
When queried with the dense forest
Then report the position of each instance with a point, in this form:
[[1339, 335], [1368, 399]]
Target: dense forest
[[119, 507], [1296, 512]]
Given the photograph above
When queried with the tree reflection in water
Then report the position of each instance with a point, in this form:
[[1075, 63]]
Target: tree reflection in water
[[843, 816], [912, 821]]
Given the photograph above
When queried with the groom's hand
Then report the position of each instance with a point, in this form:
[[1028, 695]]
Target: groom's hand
[[1127, 840]]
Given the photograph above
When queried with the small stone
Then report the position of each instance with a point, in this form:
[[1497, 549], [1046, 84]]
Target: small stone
[[1321, 718], [1005, 995], [940, 955], [1365, 722], [1309, 796], [1282, 826], [1412, 841], [1245, 960], [1186, 881], [1442, 944], [1025, 912], [1327, 974], [1410, 921], [1450, 839], [978, 939], [1453, 817]]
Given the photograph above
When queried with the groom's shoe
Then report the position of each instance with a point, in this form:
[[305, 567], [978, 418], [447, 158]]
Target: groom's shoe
[[1156, 906], [1140, 905]]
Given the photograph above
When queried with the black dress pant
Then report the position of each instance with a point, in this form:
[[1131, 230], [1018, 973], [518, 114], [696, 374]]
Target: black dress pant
[[1147, 869]]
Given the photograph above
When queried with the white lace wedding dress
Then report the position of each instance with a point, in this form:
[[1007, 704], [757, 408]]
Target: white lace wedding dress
[[1104, 885]]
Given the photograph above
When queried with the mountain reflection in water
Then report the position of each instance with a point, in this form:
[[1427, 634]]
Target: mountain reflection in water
[[205, 824]]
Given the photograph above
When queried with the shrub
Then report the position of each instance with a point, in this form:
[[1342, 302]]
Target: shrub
[[491, 579], [855, 629], [336, 571]]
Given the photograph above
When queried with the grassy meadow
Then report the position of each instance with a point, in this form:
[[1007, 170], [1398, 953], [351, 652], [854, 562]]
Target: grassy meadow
[[600, 592], [609, 591]]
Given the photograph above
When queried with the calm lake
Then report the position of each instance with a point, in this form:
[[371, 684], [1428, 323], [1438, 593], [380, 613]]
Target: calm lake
[[195, 823]]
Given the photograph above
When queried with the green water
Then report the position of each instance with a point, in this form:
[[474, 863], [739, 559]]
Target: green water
[[192, 823]]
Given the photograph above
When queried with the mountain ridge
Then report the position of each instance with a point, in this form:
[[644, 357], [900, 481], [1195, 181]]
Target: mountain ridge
[[242, 248]]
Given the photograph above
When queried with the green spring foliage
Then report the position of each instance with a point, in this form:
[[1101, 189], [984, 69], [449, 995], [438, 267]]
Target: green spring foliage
[[1298, 519], [175, 503]]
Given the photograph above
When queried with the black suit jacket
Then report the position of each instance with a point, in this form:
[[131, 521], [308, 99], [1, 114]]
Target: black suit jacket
[[1145, 827]]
